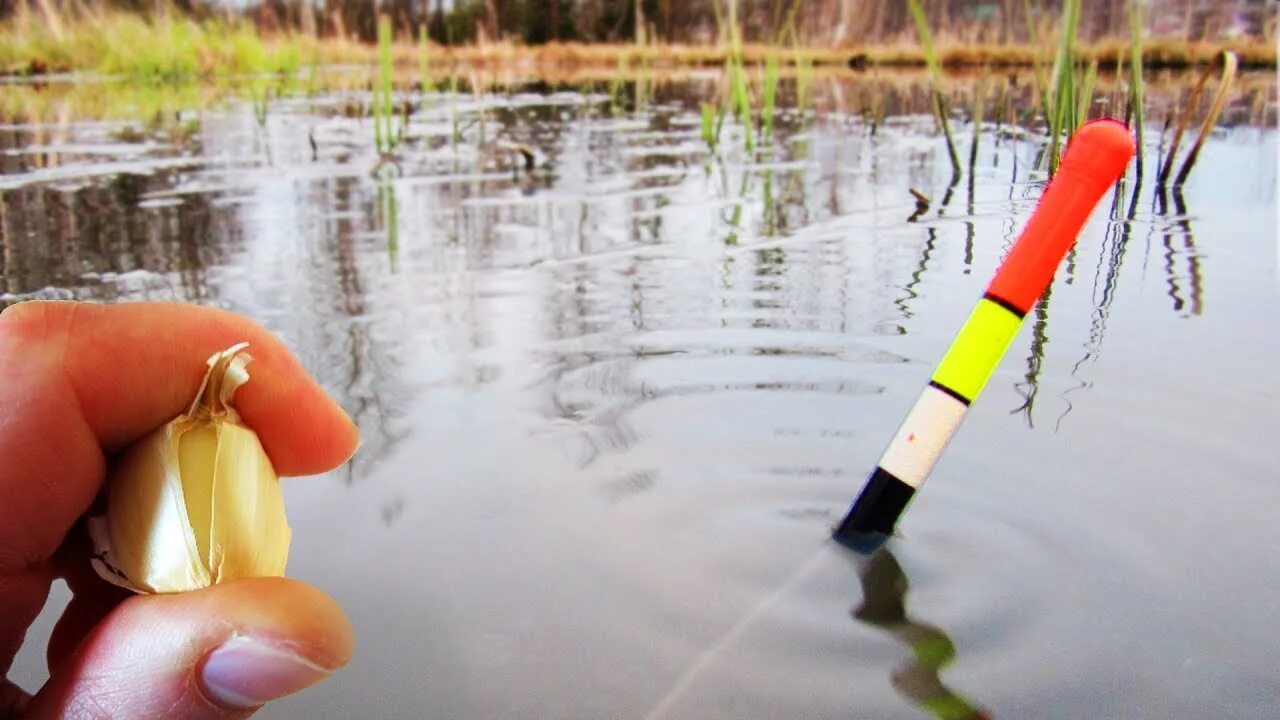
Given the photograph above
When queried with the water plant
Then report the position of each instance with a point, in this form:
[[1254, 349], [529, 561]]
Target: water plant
[[385, 136], [1136, 102], [424, 61], [740, 98], [1037, 65], [711, 122], [803, 63], [260, 95], [768, 97], [615, 85], [388, 212], [978, 94], [1062, 119], [1229, 65], [935, 76], [165, 48]]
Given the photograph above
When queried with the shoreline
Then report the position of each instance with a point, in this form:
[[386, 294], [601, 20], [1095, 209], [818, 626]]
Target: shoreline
[[286, 53]]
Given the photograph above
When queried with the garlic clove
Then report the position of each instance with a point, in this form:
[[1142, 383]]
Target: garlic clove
[[196, 502], [250, 535], [149, 539], [197, 462]]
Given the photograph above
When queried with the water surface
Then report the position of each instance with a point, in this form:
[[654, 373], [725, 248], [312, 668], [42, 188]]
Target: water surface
[[612, 407]]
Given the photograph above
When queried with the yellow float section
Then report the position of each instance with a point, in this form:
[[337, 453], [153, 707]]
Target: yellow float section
[[977, 349]]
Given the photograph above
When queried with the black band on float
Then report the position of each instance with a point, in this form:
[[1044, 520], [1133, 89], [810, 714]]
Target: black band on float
[[876, 510], [943, 388], [1005, 304]]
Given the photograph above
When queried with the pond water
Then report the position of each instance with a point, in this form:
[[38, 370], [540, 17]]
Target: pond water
[[612, 406]]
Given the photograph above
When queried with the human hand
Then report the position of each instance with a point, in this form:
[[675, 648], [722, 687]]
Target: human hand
[[80, 382]]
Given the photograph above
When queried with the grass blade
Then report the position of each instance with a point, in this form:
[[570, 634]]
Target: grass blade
[[424, 61], [1136, 101], [935, 74], [1229, 64]]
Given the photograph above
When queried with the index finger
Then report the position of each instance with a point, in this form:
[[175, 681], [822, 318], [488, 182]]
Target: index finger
[[78, 381]]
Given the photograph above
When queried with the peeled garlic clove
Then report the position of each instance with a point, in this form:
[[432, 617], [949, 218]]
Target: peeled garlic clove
[[197, 502]]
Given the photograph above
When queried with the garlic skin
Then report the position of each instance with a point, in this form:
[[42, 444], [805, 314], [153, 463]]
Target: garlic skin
[[196, 502]]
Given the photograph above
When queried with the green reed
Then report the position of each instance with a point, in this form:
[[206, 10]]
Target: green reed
[[710, 135], [1084, 99], [768, 96], [935, 75], [424, 61], [740, 96], [1224, 89], [385, 137], [1065, 71], [261, 97], [168, 47], [978, 98], [803, 70], [1037, 67], [615, 86], [1135, 74]]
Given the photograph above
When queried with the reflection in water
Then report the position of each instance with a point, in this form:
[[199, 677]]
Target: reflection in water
[[115, 239], [884, 606], [917, 276], [1030, 385], [389, 218], [1106, 282], [1185, 292]]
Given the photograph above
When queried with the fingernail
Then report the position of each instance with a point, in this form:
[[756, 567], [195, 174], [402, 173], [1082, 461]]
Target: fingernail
[[245, 673]]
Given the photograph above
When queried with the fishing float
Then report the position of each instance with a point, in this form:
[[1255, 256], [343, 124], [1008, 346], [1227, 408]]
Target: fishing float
[[1095, 158]]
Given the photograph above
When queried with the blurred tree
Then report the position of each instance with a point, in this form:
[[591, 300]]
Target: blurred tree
[[818, 22]]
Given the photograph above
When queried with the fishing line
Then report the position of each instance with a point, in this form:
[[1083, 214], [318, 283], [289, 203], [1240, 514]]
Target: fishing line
[[708, 656]]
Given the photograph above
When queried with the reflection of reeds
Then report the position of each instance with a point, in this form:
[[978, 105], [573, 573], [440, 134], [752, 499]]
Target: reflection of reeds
[[903, 303], [1194, 290], [388, 215], [1030, 385], [1106, 280]]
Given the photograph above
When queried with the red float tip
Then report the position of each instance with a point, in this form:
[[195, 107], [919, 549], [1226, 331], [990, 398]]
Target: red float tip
[[1096, 157], [1100, 149]]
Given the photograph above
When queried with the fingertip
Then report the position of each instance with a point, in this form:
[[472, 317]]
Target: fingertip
[[309, 432], [243, 643], [289, 611], [134, 366]]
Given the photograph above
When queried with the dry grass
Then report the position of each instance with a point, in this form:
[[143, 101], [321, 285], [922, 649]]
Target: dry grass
[[170, 47], [1157, 53]]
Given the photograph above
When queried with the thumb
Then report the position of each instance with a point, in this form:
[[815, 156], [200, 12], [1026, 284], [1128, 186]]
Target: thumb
[[211, 654]]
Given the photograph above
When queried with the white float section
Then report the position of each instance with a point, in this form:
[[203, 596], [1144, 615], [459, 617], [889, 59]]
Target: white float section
[[923, 436]]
